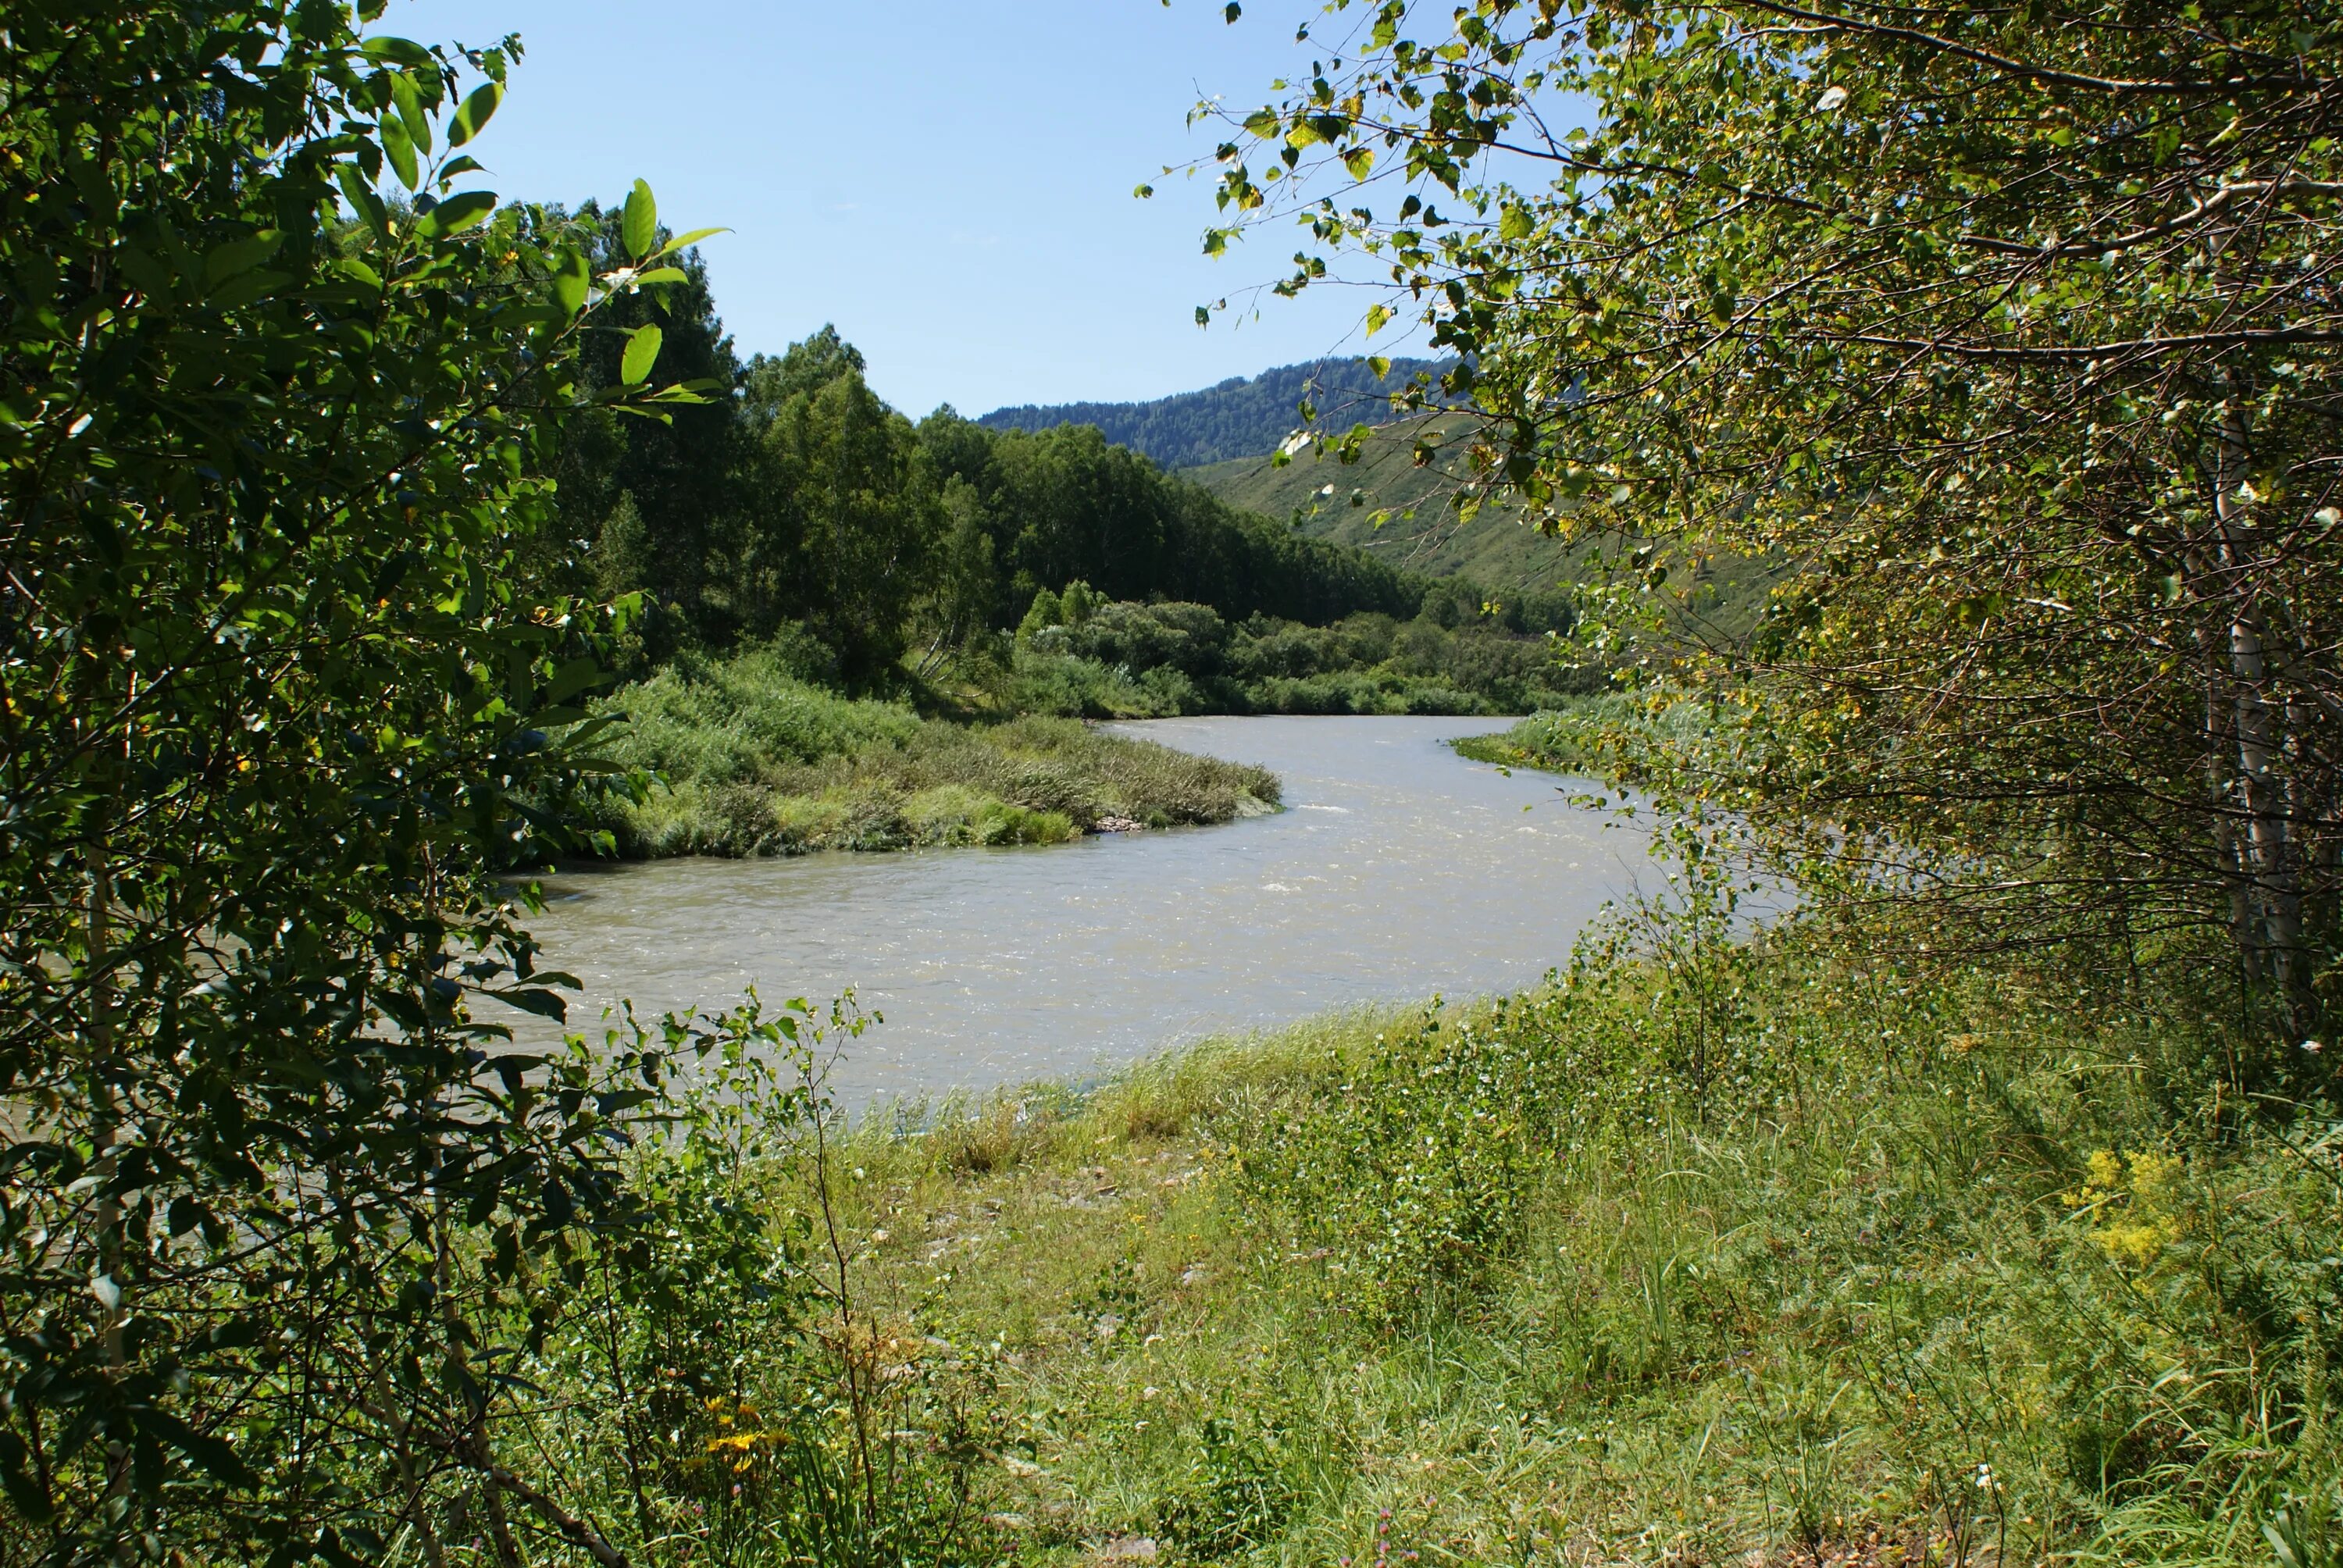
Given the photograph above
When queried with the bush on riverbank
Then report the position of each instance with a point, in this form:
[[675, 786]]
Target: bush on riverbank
[[1816, 1251], [757, 760], [1591, 737], [1078, 655]]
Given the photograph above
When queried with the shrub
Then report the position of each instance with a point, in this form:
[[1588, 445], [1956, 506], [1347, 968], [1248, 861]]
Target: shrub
[[1415, 1169], [756, 762]]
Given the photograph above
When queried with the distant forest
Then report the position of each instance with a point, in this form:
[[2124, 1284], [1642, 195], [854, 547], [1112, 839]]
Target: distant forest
[[1241, 417], [795, 501]]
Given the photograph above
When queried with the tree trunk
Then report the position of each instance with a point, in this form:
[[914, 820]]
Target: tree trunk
[[2274, 880]]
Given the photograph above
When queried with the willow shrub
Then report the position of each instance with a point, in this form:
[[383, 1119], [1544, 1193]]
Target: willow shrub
[[279, 1213]]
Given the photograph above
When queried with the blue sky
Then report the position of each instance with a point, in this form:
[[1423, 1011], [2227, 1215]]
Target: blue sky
[[948, 180]]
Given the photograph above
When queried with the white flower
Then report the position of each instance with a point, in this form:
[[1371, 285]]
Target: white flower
[[1831, 100]]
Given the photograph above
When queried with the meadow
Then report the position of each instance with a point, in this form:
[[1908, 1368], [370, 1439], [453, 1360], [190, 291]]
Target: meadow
[[1776, 1252]]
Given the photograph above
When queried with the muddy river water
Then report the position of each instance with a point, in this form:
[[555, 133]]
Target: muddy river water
[[1396, 871]]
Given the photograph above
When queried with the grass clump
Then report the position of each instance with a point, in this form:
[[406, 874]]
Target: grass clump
[[1819, 1252], [1593, 736], [755, 760]]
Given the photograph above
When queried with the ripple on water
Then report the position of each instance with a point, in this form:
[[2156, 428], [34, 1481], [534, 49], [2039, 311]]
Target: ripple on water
[[1400, 871]]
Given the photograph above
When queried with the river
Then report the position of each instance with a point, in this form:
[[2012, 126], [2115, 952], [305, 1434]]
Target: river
[[1397, 870]]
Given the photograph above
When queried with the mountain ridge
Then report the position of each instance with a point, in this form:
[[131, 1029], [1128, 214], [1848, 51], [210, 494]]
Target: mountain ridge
[[1243, 416]]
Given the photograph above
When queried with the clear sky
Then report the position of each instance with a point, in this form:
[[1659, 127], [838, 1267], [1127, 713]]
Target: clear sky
[[949, 181]]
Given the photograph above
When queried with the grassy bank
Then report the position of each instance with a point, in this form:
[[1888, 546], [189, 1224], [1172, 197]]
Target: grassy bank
[[757, 760], [1780, 1252], [1589, 736]]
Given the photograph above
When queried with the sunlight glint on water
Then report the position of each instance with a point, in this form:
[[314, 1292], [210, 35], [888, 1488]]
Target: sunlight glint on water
[[1398, 871]]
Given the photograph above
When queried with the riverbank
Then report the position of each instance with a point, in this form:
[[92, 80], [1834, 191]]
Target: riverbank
[[1807, 1257], [1396, 871], [754, 760], [1601, 736]]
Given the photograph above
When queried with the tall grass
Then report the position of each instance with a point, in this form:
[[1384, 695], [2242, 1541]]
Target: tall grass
[[1591, 736], [1922, 1265], [754, 760]]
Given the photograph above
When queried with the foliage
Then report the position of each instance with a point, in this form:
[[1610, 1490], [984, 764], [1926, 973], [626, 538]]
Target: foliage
[[275, 1208], [2007, 337], [754, 759], [1118, 660], [715, 1384], [1605, 736], [1416, 1168], [1385, 501], [1235, 1496], [1243, 416], [804, 502]]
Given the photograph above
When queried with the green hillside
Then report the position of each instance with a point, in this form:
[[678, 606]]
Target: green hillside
[[1405, 516], [1240, 416], [1332, 500]]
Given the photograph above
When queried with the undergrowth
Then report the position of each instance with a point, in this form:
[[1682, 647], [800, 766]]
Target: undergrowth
[[1822, 1254], [1593, 737]]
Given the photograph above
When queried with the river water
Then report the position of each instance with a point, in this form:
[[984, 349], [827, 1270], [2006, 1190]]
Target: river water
[[1397, 870]]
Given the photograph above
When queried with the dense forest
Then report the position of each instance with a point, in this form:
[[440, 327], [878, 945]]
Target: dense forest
[[794, 497], [1243, 416], [789, 539]]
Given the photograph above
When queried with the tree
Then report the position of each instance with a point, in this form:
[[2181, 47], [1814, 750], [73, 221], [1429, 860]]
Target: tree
[[840, 505], [678, 476], [277, 709], [2007, 339]]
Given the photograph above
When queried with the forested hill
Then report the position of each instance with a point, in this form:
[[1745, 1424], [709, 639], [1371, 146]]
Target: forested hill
[[1241, 417], [793, 503]]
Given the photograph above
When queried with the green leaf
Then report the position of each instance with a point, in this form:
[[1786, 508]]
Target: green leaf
[[464, 210], [642, 350], [369, 206], [16, 1479], [544, 1003], [1378, 317], [151, 276], [467, 165], [1359, 162], [1232, 11], [573, 278], [209, 1454], [642, 222], [400, 51], [578, 675], [659, 274], [239, 256], [681, 240], [409, 105], [474, 112], [245, 287], [1515, 223], [400, 151], [1378, 366]]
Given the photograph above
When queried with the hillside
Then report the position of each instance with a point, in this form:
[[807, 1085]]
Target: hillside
[[1419, 530], [1238, 419], [1332, 500]]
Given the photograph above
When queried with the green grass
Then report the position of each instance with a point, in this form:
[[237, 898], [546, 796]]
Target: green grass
[[1590, 737], [1831, 1256], [755, 760]]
